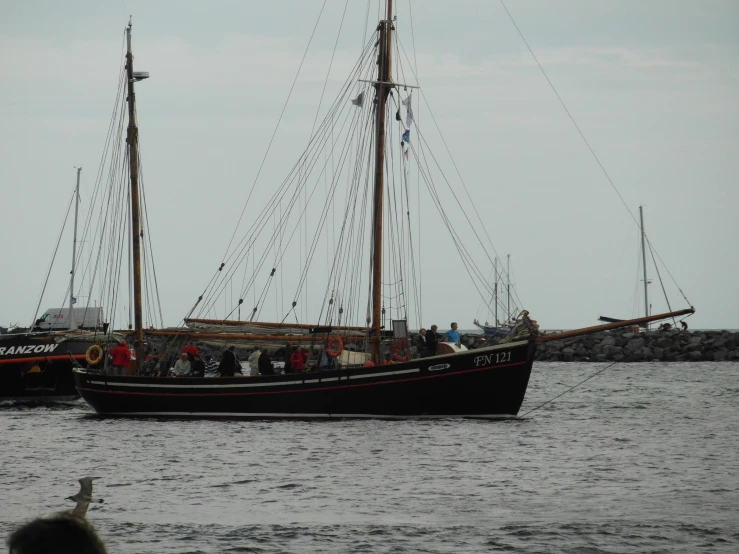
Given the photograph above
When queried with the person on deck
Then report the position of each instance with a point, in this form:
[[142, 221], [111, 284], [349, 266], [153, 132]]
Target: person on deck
[[228, 363], [421, 342], [120, 357], [298, 359], [151, 365], [265, 364], [452, 335], [253, 360], [432, 340], [288, 353], [211, 366], [198, 366], [191, 350], [181, 367]]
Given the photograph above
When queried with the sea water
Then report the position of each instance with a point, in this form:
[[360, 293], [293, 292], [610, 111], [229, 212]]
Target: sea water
[[641, 458]]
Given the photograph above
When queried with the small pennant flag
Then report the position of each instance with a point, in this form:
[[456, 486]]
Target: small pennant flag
[[359, 100]]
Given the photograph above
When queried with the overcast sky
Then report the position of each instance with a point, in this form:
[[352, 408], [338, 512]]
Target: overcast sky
[[653, 85]]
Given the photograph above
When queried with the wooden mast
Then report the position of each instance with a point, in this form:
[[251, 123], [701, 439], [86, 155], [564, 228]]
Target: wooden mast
[[133, 148], [382, 88]]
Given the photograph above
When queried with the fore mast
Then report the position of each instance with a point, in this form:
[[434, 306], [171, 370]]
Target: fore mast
[[383, 86], [133, 157]]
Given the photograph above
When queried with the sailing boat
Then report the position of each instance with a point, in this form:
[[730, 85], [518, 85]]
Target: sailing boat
[[503, 328], [378, 378], [645, 281], [37, 364]]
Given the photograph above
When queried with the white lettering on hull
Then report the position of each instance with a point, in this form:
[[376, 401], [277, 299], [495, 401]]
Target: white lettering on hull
[[27, 349], [492, 359]]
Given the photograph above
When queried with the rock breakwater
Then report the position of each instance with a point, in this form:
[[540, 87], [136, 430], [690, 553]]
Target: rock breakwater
[[666, 346]]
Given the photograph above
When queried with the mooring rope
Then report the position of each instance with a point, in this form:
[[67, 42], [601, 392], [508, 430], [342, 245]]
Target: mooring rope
[[568, 390]]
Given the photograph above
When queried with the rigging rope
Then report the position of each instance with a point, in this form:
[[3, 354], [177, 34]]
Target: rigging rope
[[582, 135], [568, 390]]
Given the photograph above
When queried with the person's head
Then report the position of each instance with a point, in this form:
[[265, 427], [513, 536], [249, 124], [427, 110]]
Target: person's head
[[299, 348], [196, 358], [454, 325], [422, 331], [121, 343], [434, 328], [58, 534], [232, 348], [266, 351], [183, 356]]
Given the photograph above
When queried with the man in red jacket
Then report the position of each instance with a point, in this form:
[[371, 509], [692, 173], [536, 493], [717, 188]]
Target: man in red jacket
[[120, 356], [298, 359]]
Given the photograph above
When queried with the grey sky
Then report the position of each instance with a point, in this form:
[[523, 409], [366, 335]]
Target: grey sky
[[653, 86]]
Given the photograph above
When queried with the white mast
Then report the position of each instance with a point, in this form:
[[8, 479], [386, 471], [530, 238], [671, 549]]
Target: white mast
[[644, 264], [495, 269], [72, 299], [508, 287]]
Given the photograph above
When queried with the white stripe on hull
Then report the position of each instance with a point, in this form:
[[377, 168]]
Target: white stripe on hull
[[311, 381]]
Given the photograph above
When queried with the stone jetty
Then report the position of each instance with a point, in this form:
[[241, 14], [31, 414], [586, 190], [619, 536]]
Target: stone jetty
[[648, 346]]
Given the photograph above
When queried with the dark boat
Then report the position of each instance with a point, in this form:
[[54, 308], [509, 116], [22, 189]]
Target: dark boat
[[379, 379], [484, 383], [39, 365]]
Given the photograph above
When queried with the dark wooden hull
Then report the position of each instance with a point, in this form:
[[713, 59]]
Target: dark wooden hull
[[483, 383], [37, 366]]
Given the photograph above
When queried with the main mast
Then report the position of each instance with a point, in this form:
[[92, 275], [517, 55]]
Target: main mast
[[133, 156], [72, 299], [644, 264], [382, 87]]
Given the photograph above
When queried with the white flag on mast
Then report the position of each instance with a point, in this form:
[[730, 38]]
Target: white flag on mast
[[406, 139]]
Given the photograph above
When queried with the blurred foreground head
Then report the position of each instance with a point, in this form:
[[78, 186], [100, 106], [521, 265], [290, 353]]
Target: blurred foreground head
[[59, 534]]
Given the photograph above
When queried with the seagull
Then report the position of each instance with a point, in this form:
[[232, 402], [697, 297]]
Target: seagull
[[84, 497]]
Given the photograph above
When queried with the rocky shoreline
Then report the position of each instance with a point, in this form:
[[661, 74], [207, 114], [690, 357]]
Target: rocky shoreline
[[647, 346]]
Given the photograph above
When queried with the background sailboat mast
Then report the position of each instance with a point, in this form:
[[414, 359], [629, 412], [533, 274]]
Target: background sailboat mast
[[133, 149], [495, 270], [72, 319], [508, 288], [644, 264], [382, 88]]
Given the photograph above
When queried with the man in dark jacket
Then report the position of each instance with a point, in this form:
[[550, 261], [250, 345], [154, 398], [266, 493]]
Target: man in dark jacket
[[198, 366], [421, 342], [431, 341], [265, 364], [288, 353], [228, 363]]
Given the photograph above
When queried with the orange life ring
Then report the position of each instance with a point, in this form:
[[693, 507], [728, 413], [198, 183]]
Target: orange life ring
[[94, 360], [335, 341], [400, 343]]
